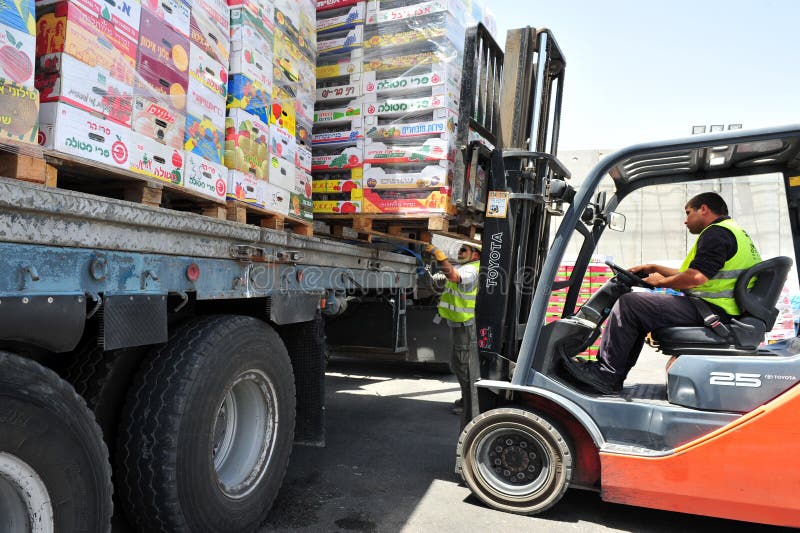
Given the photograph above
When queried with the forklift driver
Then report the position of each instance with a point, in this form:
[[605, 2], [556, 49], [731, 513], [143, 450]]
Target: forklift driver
[[457, 306], [707, 275]]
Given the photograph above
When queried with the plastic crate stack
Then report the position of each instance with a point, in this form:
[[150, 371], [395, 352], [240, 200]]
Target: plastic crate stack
[[389, 77], [597, 275], [270, 105], [19, 99]]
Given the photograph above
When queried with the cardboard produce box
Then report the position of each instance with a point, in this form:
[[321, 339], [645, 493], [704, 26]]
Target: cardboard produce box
[[17, 55], [204, 138], [153, 159], [337, 207], [281, 172], [431, 150], [205, 177], [123, 16], [158, 120], [72, 131], [20, 15], [90, 88], [19, 113], [163, 59], [210, 28], [174, 13], [429, 177], [245, 187], [246, 143], [67, 28], [407, 202]]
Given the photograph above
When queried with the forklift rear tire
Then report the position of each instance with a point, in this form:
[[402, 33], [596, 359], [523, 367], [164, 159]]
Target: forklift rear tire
[[515, 461]]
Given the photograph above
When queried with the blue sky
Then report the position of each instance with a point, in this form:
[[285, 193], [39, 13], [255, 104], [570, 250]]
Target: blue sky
[[646, 70]]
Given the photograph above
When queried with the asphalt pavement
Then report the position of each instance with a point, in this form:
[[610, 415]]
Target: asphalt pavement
[[388, 466]]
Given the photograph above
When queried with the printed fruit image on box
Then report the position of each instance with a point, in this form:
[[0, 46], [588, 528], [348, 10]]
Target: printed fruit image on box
[[72, 131], [443, 127], [350, 157], [248, 33], [244, 93], [19, 113], [204, 103], [430, 177], [275, 199], [301, 208], [208, 72], [92, 89], [203, 138], [303, 159], [258, 15], [245, 187], [159, 121], [281, 172], [123, 15], [67, 28], [247, 144], [282, 110], [282, 144], [211, 28], [302, 184], [153, 159], [346, 207], [17, 49], [430, 150], [407, 202], [330, 185], [205, 177]]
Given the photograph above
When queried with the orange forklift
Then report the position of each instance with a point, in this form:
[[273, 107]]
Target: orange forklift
[[721, 437]]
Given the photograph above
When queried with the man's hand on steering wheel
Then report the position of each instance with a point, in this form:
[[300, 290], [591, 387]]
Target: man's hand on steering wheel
[[630, 278]]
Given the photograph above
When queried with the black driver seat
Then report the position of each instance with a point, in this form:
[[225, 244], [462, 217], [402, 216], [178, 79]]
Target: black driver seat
[[747, 331]]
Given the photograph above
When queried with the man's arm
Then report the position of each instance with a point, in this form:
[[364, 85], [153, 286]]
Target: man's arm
[[447, 268], [651, 268], [688, 279]]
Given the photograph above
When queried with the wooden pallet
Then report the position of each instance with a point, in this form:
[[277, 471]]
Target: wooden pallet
[[247, 214], [412, 228]]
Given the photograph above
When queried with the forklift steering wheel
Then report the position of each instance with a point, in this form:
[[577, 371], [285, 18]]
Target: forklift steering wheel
[[628, 277]]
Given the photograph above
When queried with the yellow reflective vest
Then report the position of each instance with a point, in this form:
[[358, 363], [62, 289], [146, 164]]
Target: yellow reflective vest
[[719, 289], [457, 305]]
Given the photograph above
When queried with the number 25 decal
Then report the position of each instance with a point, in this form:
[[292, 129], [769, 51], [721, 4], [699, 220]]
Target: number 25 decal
[[735, 380]]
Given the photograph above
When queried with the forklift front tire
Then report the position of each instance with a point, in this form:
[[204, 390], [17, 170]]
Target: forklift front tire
[[515, 461]]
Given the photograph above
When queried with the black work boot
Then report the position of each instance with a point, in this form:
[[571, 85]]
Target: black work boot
[[590, 373]]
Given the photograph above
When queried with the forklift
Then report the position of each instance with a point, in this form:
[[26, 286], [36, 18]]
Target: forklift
[[720, 437]]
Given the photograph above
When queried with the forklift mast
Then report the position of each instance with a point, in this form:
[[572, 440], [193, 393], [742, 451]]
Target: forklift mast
[[526, 187]]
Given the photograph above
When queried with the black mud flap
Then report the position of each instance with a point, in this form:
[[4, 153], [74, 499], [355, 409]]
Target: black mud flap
[[52, 322], [134, 320]]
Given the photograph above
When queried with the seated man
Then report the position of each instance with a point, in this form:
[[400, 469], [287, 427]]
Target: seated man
[[722, 251]]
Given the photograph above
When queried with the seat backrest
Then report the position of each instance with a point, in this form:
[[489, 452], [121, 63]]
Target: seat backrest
[[760, 299]]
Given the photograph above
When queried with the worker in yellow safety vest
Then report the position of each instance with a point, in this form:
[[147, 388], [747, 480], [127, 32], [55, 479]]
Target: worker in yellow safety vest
[[457, 307], [706, 277]]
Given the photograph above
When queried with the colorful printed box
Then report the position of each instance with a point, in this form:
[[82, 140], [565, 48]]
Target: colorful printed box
[[281, 172], [407, 106], [344, 207], [202, 102], [344, 185], [17, 54], [407, 202], [301, 208], [290, 19], [247, 143], [443, 126], [72, 131], [338, 115], [440, 74], [342, 41], [303, 158], [355, 15], [210, 28], [153, 159], [245, 187], [335, 67], [282, 111], [429, 151], [19, 15], [92, 89], [338, 137], [282, 144], [208, 72], [353, 89], [174, 13], [326, 5], [259, 16], [157, 119], [204, 138], [205, 177], [163, 60], [123, 15], [67, 28], [19, 113], [349, 157], [430, 177], [250, 84]]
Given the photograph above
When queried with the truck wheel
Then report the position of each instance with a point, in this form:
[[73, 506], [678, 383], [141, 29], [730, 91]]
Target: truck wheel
[[207, 429], [515, 461], [102, 379], [54, 471]]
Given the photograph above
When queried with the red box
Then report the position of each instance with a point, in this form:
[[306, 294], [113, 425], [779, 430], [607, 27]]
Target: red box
[[163, 54]]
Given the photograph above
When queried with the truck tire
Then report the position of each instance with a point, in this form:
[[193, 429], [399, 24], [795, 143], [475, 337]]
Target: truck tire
[[102, 379], [515, 461], [54, 470], [207, 429]]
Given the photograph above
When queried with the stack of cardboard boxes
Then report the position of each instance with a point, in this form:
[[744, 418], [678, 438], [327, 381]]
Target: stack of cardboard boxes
[[19, 100], [270, 105], [388, 85]]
